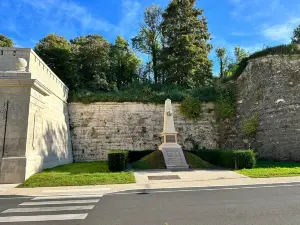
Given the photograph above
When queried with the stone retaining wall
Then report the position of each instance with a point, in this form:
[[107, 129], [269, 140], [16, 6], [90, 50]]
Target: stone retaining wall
[[100, 127], [270, 89]]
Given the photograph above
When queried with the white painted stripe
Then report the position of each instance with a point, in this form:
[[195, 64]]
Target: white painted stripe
[[76, 190], [43, 218], [61, 202], [66, 197], [49, 209]]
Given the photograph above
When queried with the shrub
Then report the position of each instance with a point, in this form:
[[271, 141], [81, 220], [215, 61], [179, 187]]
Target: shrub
[[228, 158], [137, 155], [191, 108], [145, 93], [117, 160], [250, 125], [245, 159]]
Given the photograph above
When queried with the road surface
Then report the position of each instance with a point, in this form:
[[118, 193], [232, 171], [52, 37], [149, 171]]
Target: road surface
[[265, 205]]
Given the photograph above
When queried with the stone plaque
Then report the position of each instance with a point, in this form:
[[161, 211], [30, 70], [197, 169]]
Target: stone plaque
[[167, 177], [170, 139]]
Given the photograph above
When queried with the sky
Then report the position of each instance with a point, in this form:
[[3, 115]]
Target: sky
[[251, 24]]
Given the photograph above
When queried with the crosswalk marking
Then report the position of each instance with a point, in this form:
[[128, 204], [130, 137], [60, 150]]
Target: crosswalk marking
[[62, 202], [49, 209], [66, 197], [77, 190], [43, 218]]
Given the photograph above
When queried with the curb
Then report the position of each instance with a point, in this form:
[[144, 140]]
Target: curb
[[208, 188]]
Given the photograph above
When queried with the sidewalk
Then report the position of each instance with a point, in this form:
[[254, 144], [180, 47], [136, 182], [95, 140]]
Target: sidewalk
[[188, 179]]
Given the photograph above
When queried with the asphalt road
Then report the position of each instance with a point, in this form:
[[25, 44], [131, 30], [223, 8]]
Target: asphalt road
[[279, 205]]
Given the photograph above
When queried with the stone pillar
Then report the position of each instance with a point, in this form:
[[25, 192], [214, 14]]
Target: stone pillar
[[14, 99]]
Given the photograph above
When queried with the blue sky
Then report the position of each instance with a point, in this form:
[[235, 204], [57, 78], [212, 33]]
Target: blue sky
[[250, 24]]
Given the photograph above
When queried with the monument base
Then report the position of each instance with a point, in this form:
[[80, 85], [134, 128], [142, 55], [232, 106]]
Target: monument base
[[174, 157]]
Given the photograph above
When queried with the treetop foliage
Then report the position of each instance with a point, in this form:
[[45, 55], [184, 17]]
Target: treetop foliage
[[5, 41]]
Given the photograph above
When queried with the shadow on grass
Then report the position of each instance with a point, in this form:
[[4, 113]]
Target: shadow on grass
[[274, 164], [80, 168]]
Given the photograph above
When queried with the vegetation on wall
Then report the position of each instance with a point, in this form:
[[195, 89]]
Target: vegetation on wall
[[290, 49], [250, 125], [191, 108], [226, 101], [146, 93]]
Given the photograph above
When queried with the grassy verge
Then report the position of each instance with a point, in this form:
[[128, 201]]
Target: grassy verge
[[265, 169], [78, 174]]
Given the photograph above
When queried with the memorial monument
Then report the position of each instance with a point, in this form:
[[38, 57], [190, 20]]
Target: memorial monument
[[172, 151]]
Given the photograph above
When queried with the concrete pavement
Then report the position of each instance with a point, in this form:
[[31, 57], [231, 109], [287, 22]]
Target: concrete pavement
[[189, 179]]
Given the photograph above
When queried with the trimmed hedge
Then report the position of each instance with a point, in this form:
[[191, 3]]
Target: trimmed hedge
[[117, 160], [134, 156], [229, 158]]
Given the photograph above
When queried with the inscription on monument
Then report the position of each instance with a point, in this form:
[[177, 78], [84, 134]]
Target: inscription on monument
[[170, 139]]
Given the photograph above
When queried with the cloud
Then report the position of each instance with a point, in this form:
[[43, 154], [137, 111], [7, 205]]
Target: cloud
[[131, 12], [254, 9], [281, 32], [242, 34], [67, 18]]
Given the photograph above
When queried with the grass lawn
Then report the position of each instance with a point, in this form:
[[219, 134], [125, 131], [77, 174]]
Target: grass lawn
[[78, 174], [265, 169], [156, 160], [196, 162]]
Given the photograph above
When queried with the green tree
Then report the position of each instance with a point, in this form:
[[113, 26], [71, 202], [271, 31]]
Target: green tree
[[91, 61], [296, 36], [185, 44], [240, 54], [56, 52], [5, 41], [124, 64], [148, 40], [223, 60]]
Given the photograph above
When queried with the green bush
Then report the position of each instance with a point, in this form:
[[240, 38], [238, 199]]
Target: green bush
[[228, 158], [245, 159], [137, 155], [117, 160], [191, 108]]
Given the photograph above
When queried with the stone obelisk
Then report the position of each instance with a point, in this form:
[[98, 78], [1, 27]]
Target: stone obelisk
[[172, 151]]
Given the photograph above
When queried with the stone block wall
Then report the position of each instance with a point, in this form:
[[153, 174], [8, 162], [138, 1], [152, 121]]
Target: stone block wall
[[34, 132], [270, 89], [100, 127]]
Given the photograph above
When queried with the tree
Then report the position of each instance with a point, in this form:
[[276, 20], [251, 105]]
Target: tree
[[239, 54], [223, 60], [56, 52], [91, 59], [124, 64], [148, 40], [296, 36], [5, 41], [185, 44]]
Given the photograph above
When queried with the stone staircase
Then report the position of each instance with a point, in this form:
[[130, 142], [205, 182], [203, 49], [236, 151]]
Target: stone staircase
[[174, 158]]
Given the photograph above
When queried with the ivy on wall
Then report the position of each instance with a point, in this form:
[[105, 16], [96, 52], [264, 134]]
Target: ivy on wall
[[250, 125]]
